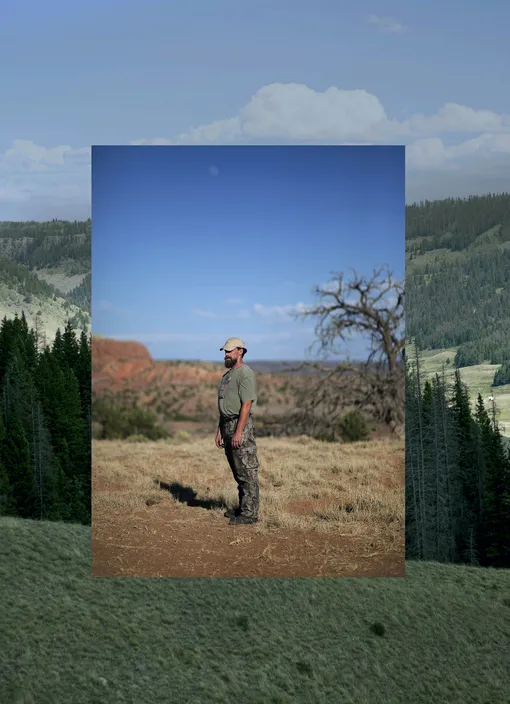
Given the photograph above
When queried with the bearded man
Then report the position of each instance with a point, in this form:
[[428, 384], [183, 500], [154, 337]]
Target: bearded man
[[237, 397]]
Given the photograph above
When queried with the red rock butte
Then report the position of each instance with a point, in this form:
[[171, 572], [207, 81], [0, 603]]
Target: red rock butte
[[118, 365], [115, 360]]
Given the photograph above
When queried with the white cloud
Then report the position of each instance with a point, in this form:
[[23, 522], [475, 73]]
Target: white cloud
[[296, 112], [24, 154], [284, 312], [387, 24], [45, 182], [432, 152], [213, 315], [459, 118]]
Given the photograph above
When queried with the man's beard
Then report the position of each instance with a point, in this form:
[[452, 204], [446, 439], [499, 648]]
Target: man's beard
[[229, 363]]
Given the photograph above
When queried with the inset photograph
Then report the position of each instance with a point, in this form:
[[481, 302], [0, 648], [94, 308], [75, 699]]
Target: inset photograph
[[248, 375]]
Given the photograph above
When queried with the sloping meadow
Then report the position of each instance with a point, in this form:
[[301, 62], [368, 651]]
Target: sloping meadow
[[439, 635]]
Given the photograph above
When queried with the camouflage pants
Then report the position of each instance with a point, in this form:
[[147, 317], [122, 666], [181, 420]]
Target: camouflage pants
[[244, 465]]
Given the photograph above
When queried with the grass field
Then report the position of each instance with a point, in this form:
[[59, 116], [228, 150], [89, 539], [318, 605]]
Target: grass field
[[326, 509], [478, 379], [439, 635]]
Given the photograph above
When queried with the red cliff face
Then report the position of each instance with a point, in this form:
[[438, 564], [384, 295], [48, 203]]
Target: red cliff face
[[113, 361], [166, 387], [104, 351], [120, 365]]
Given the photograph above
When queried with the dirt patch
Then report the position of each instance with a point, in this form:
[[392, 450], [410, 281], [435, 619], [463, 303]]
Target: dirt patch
[[169, 541], [158, 511]]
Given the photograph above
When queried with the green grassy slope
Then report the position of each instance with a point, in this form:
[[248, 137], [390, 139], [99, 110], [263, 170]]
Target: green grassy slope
[[477, 378], [75, 639]]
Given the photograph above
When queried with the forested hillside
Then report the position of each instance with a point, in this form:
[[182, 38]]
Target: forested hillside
[[458, 277], [45, 270], [37, 245], [45, 423]]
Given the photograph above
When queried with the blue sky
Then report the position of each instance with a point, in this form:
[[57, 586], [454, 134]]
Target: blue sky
[[192, 245], [428, 75]]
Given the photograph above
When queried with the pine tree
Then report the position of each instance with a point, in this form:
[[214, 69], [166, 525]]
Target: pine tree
[[70, 348], [16, 458], [7, 503], [468, 500], [496, 514]]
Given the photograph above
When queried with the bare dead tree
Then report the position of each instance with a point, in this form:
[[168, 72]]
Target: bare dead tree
[[374, 308]]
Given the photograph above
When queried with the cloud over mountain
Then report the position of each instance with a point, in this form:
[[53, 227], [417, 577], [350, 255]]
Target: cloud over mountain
[[54, 181]]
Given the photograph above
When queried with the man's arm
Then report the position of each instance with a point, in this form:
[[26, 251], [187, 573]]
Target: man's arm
[[218, 441], [244, 414]]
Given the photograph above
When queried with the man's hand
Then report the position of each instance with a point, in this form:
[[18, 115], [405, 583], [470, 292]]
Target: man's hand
[[219, 439], [237, 439]]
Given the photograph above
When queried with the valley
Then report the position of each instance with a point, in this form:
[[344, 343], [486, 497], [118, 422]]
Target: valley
[[45, 272]]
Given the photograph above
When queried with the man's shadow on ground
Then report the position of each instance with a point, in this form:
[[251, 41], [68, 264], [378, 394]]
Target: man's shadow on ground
[[187, 495]]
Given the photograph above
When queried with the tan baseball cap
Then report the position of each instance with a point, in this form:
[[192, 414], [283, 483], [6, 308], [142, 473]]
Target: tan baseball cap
[[232, 343]]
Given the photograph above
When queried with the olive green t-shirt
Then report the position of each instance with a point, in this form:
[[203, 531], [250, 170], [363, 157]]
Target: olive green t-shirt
[[236, 386]]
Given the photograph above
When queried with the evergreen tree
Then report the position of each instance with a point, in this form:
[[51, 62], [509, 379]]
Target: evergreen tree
[[457, 476], [16, 459], [7, 503], [502, 376], [47, 416], [468, 500], [496, 514], [70, 348]]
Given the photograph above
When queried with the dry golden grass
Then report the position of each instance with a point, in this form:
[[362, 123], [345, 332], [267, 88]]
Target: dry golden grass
[[351, 489]]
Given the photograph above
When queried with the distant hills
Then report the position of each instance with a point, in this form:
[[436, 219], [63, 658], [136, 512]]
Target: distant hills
[[45, 271], [182, 395], [289, 368], [176, 391]]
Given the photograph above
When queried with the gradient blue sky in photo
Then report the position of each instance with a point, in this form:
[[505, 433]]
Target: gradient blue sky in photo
[[192, 245]]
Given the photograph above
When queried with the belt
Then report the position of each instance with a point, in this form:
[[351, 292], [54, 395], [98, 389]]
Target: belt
[[223, 418]]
